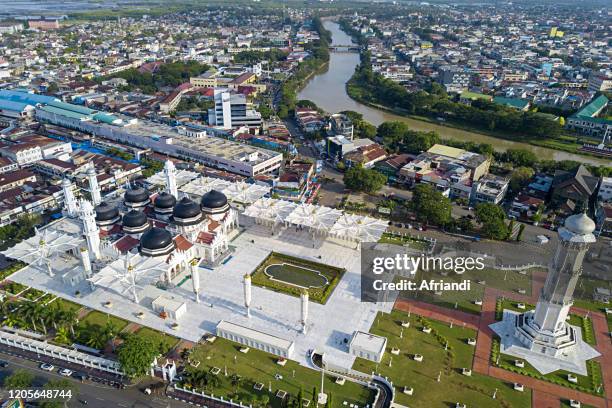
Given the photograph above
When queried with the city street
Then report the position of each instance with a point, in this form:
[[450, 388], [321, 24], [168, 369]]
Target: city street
[[95, 395]]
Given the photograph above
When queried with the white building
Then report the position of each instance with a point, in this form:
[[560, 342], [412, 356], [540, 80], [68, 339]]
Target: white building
[[255, 339], [368, 346], [232, 110], [605, 190]]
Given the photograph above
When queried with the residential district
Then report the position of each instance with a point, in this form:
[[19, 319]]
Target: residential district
[[190, 193]]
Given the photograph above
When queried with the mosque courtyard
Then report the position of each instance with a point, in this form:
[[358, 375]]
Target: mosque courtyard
[[329, 325]]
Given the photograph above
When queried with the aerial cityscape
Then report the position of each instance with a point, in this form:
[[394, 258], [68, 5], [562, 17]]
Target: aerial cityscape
[[319, 203]]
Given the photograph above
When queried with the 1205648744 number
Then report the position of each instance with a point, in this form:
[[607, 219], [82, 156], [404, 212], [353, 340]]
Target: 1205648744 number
[[38, 394]]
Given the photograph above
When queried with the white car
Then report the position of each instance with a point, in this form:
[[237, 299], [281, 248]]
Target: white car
[[65, 372], [46, 367]]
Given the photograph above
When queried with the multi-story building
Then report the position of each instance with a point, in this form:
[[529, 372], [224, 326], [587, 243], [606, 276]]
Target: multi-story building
[[489, 189], [586, 122], [232, 110], [22, 153], [454, 78], [341, 125], [599, 82]]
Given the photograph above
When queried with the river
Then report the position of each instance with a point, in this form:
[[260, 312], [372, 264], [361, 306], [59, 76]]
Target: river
[[327, 89]]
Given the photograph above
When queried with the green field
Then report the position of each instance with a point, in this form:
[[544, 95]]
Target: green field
[[474, 391], [96, 318], [287, 274], [11, 269], [388, 238], [165, 341], [465, 300], [260, 367]]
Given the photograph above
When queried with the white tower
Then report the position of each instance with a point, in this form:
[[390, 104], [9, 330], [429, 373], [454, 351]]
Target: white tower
[[70, 203], [170, 173], [304, 298], [542, 336], [90, 229], [247, 294], [94, 189], [195, 279], [86, 261]]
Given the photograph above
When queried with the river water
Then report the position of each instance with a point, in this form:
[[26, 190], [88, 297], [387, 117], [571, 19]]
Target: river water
[[328, 91]]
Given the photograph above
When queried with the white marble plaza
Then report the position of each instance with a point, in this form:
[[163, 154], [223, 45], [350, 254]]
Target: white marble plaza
[[222, 298]]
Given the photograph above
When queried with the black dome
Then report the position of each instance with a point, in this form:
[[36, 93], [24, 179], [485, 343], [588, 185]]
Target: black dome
[[136, 195], [155, 238], [213, 199], [165, 200], [186, 208], [106, 212], [134, 219]]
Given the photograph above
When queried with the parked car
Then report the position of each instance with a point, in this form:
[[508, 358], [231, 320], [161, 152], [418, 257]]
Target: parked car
[[65, 372], [47, 367], [147, 391], [3, 363]]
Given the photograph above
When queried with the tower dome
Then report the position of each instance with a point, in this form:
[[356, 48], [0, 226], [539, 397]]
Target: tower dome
[[164, 200], [213, 200], [187, 212], [134, 222], [136, 197], [580, 224], [106, 214], [156, 242]]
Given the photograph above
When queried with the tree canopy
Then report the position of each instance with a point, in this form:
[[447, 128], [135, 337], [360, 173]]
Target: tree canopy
[[358, 178], [492, 217], [136, 355], [430, 205]]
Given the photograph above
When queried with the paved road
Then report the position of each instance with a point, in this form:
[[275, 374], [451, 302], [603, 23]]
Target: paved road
[[96, 395]]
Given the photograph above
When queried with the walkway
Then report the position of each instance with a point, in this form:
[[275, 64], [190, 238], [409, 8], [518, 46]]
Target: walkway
[[545, 394]]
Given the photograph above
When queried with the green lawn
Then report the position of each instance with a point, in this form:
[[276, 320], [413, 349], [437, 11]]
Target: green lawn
[[295, 273], [388, 238], [32, 294], [260, 367], [165, 341], [96, 318], [474, 391], [64, 304], [465, 300], [13, 288], [11, 269]]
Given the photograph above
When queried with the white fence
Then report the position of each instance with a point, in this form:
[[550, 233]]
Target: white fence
[[61, 353]]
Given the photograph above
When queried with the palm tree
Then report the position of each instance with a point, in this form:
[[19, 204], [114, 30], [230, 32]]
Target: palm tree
[[110, 332], [236, 381], [62, 335], [70, 318], [96, 338], [31, 311]]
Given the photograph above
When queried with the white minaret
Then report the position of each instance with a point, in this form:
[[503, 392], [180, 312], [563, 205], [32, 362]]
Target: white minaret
[[247, 294], [195, 279], [94, 189], [90, 229], [70, 203], [304, 298], [86, 261], [170, 173]]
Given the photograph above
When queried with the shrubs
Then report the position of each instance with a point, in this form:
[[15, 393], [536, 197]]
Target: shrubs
[[320, 295]]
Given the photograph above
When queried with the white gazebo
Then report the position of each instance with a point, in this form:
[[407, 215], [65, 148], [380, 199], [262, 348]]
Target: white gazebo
[[130, 273], [318, 219], [41, 249], [270, 212], [358, 228]]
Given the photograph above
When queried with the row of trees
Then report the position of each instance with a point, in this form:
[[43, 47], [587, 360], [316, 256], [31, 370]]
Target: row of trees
[[319, 51], [433, 101], [169, 74], [21, 229]]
